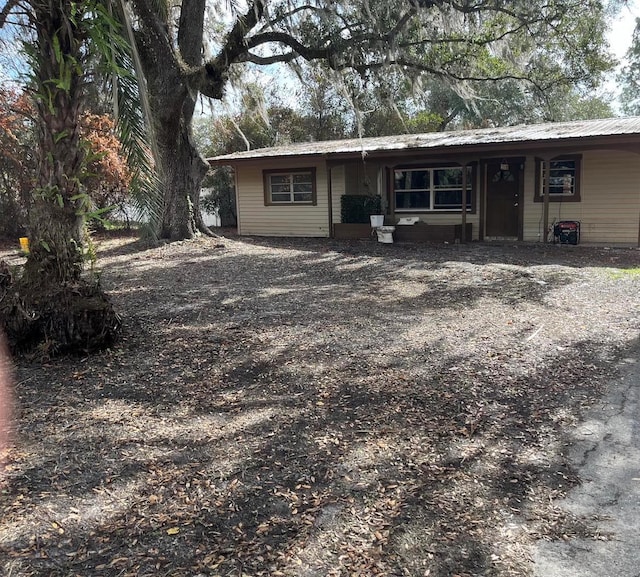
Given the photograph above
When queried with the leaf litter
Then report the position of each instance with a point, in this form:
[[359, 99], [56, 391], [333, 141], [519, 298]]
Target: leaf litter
[[303, 407]]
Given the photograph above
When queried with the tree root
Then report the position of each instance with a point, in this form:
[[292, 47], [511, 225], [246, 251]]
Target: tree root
[[43, 321]]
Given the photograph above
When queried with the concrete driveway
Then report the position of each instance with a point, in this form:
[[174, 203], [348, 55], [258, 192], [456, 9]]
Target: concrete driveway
[[607, 453]]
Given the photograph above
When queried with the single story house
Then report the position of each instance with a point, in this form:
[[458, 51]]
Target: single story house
[[485, 184]]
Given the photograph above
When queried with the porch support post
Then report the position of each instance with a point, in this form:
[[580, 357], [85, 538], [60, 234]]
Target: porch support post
[[463, 231], [546, 165], [330, 198], [389, 189]]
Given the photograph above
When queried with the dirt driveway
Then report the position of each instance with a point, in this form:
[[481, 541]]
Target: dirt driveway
[[315, 408]]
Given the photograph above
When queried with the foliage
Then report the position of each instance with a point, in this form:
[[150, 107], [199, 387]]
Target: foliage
[[253, 127], [108, 175], [541, 42], [51, 307], [629, 77], [356, 208], [325, 113], [121, 76], [394, 105], [17, 161]]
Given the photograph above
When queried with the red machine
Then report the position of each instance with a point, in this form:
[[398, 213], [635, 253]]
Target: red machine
[[566, 232]]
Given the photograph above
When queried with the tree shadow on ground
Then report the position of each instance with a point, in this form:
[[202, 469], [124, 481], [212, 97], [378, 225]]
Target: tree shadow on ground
[[310, 414], [377, 474], [519, 253]]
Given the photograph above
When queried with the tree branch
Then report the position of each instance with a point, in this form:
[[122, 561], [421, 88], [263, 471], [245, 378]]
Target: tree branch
[[6, 10], [214, 75], [190, 31], [275, 59], [383, 48], [306, 52], [412, 65], [303, 8]]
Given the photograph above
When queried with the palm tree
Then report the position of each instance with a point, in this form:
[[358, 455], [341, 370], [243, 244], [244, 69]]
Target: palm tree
[[51, 304]]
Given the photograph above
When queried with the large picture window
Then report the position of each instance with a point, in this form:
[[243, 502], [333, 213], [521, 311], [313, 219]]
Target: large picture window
[[431, 189], [564, 179], [290, 186]]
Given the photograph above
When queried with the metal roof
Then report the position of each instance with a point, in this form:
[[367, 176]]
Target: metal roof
[[555, 131]]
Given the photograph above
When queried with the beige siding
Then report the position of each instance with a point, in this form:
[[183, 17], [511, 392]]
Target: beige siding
[[284, 220], [609, 209]]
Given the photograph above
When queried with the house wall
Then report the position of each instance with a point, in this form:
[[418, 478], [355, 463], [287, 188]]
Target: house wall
[[280, 220], [609, 209]]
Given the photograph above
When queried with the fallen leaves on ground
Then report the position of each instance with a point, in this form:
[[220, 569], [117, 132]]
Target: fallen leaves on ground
[[306, 407]]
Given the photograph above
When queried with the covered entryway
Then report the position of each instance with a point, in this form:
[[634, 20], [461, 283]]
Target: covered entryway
[[504, 179]]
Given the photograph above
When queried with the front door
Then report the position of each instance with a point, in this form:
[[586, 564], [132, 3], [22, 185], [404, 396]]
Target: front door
[[503, 197]]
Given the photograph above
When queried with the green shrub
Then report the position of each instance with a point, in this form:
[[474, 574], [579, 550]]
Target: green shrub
[[356, 208]]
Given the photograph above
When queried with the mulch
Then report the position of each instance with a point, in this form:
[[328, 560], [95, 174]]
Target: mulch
[[309, 407]]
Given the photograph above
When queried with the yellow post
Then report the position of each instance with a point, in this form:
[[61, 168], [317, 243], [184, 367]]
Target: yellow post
[[24, 244]]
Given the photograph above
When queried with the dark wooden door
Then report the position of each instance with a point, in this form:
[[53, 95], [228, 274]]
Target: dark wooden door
[[503, 198]]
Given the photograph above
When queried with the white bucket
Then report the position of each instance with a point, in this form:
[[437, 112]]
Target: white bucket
[[377, 220], [385, 234]]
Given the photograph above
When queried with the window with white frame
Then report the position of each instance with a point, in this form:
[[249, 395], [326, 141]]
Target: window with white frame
[[564, 179], [431, 189], [290, 186]]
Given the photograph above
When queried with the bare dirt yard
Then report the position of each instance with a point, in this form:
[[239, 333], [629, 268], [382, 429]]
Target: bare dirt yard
[[316, 408]]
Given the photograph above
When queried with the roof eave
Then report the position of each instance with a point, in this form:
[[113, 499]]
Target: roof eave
[[510, 147]]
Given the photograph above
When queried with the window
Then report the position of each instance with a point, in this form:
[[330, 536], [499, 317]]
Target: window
[[290, 186], [564, 179], [431, 189]]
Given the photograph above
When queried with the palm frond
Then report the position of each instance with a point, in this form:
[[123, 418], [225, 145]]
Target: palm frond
[[123, 77]]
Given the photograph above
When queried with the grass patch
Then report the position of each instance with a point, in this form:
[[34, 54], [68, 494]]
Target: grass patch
[[624, 273]]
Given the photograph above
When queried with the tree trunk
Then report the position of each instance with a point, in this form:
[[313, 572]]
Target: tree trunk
[[55, 233], [55, 221], [182, 168], [190, 34]]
